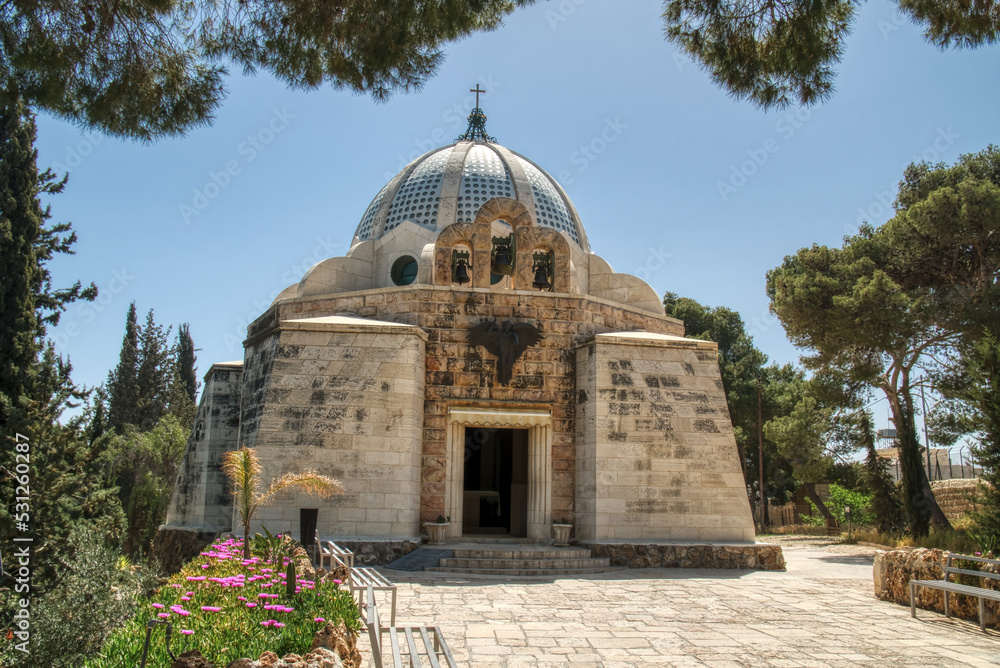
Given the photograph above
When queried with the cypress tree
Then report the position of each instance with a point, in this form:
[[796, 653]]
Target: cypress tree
[[123, 383], [185, 361], [35, 385], [27, 300], [154, 373], [885, 498]]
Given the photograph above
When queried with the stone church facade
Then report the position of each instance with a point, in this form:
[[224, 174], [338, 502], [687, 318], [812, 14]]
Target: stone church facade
[[363, 371]]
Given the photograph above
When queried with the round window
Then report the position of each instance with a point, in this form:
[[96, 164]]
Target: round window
[[404, 270]]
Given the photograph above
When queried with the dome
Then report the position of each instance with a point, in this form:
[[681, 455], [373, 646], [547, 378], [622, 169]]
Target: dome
[[450, 184]]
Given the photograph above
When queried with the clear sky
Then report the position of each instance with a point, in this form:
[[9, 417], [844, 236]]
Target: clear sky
[[674, 181]]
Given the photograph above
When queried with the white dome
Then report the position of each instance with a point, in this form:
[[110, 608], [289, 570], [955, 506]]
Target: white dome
[[449, 185]]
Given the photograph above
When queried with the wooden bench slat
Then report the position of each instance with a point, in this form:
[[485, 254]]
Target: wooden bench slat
[[397, 659], [979, 574], [414, 654], [943, 585], [433, 641], [443, 648], [957, 588], [431, 653]]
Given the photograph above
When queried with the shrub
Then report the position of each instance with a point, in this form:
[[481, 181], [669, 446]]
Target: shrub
[[227, 609], [98, 592]]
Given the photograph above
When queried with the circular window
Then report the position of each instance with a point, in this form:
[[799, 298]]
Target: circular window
[[404, 270]]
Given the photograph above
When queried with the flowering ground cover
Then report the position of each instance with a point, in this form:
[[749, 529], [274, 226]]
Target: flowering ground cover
[[228, 608]]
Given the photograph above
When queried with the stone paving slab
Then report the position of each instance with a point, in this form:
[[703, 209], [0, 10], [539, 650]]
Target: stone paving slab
[[821, 612]]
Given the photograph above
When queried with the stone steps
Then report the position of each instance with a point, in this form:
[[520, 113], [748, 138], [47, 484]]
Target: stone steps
[[523, 553], [527, 572], [522, 560], [524, 564]]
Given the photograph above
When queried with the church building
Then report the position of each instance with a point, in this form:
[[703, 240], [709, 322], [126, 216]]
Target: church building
[[471, 357]]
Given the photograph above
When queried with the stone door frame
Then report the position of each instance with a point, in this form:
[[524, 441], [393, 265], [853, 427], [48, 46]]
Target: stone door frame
[[539, 426]]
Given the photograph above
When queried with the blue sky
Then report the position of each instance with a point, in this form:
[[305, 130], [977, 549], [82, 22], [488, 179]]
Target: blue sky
[[674, 181]]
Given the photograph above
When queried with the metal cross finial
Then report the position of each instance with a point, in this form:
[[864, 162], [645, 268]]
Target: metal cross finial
[[477, 91]]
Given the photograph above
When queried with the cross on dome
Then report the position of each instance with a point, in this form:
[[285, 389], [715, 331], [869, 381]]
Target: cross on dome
[[477, 123]]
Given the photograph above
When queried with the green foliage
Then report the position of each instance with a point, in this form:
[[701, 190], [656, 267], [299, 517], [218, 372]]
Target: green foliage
[[184, 361], [220, 601], [96, 594], [982, 366], [901, 298], [147, 70], [799, 437], [28, 301], [123, 384], [65, 488], [143, 466], [270, 548], [782, 52]]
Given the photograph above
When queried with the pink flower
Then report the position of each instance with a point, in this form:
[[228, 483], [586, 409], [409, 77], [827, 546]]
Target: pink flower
[[251, 605], [158, 606], [179, 610], [210, 608], [185, 598], [186, 632], [319, 619], [163, 615], [195, 577], [277, 625]]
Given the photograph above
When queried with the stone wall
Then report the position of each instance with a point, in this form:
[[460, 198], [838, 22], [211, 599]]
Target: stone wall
[[345, 397], [173, 547], [378, 552], [760, 557], [456, 374], [893, 570], [956, 498], [200, 498], [656, 455]]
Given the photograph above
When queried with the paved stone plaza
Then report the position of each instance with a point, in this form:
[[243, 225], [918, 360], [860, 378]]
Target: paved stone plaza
[[821, 612]]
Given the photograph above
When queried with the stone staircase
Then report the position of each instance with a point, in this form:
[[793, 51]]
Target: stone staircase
[[521, 560]]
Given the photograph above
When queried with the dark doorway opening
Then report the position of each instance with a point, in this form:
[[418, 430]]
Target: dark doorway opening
[[307, 524], [495, 499]]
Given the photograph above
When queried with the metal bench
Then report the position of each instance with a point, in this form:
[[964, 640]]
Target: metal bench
[[955, 588], [406, 641], [364, 580], [328, 551]]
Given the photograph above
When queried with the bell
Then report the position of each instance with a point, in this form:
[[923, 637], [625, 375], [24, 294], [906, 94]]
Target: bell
[[501, 263], [462, 273], [541, 279]]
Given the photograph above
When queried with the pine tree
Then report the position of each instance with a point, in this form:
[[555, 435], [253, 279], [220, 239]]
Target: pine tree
[[123, 383]]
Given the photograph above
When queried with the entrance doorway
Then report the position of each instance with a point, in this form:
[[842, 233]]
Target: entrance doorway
[[495, 488]]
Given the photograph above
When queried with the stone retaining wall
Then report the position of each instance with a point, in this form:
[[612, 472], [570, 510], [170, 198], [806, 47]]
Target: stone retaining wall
[[893, 571], [173, 547], [378, 552], [760, 557], [955, 497]]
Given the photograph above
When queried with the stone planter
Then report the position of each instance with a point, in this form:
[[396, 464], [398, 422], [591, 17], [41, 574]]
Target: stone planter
[[562, 532], [437, 532]]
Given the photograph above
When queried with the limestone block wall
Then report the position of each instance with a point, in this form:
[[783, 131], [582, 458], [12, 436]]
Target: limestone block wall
[[343, 396], [200, 500], [655, 453], [457, 375], [957, 498]]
